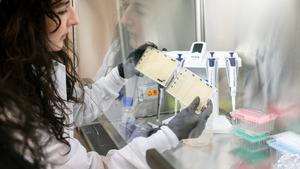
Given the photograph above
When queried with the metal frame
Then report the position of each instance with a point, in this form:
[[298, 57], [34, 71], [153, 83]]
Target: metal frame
[[200, 20]]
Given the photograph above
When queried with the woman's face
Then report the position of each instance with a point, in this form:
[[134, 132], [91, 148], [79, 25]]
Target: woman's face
[[68, 18], [132, 20]]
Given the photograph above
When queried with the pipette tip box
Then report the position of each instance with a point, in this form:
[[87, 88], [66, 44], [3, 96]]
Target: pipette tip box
[[250, 156], [252, 147], [248, 143], [250, 138], [253, 121], [285, 144]]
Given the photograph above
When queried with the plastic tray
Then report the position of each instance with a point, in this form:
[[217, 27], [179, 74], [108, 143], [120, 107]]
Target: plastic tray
[[286, 143], [253, 121], [251, 138]]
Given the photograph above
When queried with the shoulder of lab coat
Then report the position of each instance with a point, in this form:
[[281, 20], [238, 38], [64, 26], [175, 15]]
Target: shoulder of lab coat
[[98, 97], [131, 156]]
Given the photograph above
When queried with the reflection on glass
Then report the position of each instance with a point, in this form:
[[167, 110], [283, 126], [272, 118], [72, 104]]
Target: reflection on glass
[[140, 21], [264, 33], [266, 36]]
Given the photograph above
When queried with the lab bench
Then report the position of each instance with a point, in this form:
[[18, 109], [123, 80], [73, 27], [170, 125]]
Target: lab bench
[[221, 153], [107, 132]]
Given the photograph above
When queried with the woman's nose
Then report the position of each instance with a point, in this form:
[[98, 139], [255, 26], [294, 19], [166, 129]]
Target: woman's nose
[[73, 17]]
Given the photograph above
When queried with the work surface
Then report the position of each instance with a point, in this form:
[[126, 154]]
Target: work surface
[[221, 153]]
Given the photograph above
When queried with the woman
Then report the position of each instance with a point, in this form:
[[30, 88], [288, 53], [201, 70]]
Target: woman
[[37, 67]]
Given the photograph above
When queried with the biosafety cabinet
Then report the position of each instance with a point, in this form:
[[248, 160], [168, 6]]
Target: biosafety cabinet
[[264, 34]]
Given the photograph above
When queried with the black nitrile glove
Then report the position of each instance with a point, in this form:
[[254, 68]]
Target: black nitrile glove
[[187, 121], [127, 69], [141, 130], [197, 131]]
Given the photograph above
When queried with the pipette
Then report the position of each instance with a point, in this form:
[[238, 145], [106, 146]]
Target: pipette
[[160, 98], [212, 69], [231, 69]]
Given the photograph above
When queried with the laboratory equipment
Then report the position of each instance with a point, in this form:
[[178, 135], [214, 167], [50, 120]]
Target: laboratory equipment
[[147, 92], [160, 98], [252, 128], [220, 123], [251, 159], [198, 58], [286, 149], [252, 147], [183, 85], [128, 118], [145, 97], [212, 69], [254, 122], [231, 70], [194, 58], [288, 161], [250, 138], [286, 143]]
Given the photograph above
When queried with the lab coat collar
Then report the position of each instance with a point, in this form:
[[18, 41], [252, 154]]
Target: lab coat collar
[[60, 80]]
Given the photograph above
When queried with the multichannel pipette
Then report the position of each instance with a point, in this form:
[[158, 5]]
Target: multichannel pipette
[[231, 69]]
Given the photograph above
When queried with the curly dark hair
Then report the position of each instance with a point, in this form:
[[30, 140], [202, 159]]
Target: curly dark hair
[[18, 134], [27, 64]]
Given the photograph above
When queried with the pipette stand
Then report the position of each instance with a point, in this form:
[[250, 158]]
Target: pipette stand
[[220, 124]]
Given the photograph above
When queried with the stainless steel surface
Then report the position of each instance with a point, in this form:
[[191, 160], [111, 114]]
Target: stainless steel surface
[[98, 138], [112, 132], [112, 124], [218, 155]]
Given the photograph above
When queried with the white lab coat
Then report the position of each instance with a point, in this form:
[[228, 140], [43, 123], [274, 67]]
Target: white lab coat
[[136, 86], [97, 99]]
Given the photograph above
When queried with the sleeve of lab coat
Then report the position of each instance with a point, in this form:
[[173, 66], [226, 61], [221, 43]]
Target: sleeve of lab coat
[[131, 156], [98, 97], [134, 154]]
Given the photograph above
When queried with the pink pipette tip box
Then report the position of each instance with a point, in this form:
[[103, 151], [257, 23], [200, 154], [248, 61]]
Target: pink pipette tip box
[[254, 116], [254, 122]]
